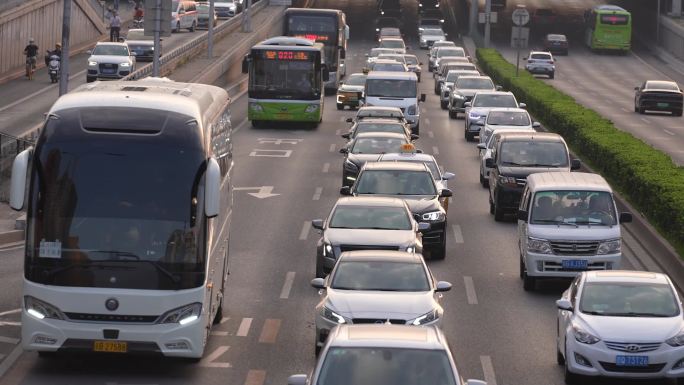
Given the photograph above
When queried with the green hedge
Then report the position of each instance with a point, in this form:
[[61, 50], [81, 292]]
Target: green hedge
[[646, 176]]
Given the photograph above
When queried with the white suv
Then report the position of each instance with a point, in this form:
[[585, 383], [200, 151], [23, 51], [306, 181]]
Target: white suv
[[110, 61]]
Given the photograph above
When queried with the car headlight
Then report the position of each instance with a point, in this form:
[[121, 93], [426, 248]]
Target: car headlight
[[583, 336], [125, 64], [411, 249], [423, 40], [40, 309], [332, 316], [677, 340], [537, 245], [459, 96], [433, 216], [256, 107], [609, 247], [92, 63], [412, 109], [182, 315], [475, 116], [425, 318], [327, 250], [351, 166], [311, 108]]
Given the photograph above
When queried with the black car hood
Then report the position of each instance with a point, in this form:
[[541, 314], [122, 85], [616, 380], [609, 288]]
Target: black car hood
[[361, 159], [418, 204]]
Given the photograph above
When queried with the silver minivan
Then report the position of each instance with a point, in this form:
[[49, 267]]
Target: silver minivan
[[395, 89], [567, 223]]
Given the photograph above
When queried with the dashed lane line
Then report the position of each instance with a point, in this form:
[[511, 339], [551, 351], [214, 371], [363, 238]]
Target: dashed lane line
[[645, 120], [332, 147], [470, 290], [7, 363], [9, 340], [209, 361], [431, 134], [287, 286], [255, 377], [8, 312], [269, 333], [219, 333], [243, 330], [488, 369], [305, 231], [435, 150], [458, 235], [669, 132], [326, 167], [317, 193]]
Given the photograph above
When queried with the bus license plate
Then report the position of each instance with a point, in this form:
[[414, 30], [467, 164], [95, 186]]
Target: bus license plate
[[663, 104], [110, 346], [631, 360], [574, 264]]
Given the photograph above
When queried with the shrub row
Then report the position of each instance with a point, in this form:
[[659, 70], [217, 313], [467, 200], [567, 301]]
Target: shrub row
[[647, 177]]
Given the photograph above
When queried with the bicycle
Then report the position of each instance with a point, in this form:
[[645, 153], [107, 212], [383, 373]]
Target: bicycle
[[114, 34], [30, 66]]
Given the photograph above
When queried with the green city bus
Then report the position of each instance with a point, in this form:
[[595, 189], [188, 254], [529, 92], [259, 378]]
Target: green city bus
[[608, 27], [286, 80]]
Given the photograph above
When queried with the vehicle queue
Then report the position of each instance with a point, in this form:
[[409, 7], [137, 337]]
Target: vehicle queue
[[370, 269]]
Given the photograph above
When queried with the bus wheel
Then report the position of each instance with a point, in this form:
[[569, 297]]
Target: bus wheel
[[257, 124]]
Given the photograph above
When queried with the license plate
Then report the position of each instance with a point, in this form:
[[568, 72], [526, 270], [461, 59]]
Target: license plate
[[108, 71], [110, 346], [574, 264], [663, 104], [631, 360]]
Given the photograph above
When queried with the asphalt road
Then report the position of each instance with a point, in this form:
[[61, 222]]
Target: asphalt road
[[497, 331]]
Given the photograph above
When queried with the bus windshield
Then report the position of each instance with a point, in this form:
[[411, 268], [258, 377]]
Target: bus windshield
[[319, 28], [393, 88], [117, 210], [281, 77]]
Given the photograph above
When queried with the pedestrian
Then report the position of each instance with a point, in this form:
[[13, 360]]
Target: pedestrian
[[114, 26]]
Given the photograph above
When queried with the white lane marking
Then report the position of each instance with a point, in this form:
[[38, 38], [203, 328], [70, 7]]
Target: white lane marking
[[287, 286], [255, 377], [40, 91], [243, 330], [7, 363], [427, 121], [435, 150], [332, 147], [224, 320], [219, 333], [326, 167], [208, 361], [624, 109], [338, 132], [10, 323], [305, 231], [317, 193], [431, 134], [271, 153], [645, 120], [240, 125], [488, 369], [9, 340], [269, 333], [13, 246], [669, 132], [470, 290], [458, 235], [8, 312]]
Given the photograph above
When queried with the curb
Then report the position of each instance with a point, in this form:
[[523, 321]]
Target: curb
[[12, 236]]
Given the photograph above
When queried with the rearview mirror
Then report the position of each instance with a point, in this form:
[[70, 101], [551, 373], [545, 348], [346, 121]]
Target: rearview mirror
[[297, 379], [443, 286], [349, 120], [212, 189], [482, 146], [575, 164], [344, 150], [522, 105], [318, 283], [499, 88], [445, 193], [317, 224], [522, 215], [564, 304], [489, 163], [414, 137], [448, 176], [536, 125], [346, 136], [467, 104], [524, 58], [89, 52], [18, 181], [423, 226], [345, 190], [625, 217], [422, 97], [636, 88]]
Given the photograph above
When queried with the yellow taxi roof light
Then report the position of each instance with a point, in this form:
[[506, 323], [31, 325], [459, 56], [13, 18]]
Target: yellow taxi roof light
[[408, 148]]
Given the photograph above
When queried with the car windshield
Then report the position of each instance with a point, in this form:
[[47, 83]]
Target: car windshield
[[508, 118], [391, 88], [396, 67], [137, 34], [111, 50], [490, 100], [534, 153], [433, 32], [577, 207], [385, 366], [540, 56], [355, 80], [443, 44], [364, 217], [203, 9], [458, 52], [392, 44], [380, 276], [628, 299], [395, 182], [380, 127], [375, 52], [376, 145], [452, 76], [662, 86], [474, 83]]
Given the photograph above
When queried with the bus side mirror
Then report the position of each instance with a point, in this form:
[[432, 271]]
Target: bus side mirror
[[212, 189], [18, 182], [245, 64], [326, 74], [346, 32]]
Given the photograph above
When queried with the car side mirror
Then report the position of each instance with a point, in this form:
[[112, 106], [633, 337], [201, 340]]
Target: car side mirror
[[419, 151], [448, 176], [575, 164], [442, 286], [420, 63], [346, 136], [345, 190], [133, 54], [318, 283], [522, 215], [467, 104], [636, 88], [498, 88], [423, 226], [422, 97], [350, 120], [367, 55], [317, 224], [344, 150], [522, 105], [625, 217], [212, 189], [18, 181], [89, 52], [475, 382], [482, 146], [536, 125], [564, 304], [414, 137], [489, 163], [297, 379], [445, 193]]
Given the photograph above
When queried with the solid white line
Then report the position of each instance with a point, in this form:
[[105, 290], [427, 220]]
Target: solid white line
[[624, 109], [332, 147], [287, 286], [326, 167], [435, 150], [488, 369], [8, 312], [40, 91], [431, 134], [645, 120], [208, 361], [317, 193], [669, 132], [242, 124], [9, 340], [243, 330], [458, 235], [427, 121], [219, 333], [470, 290], [338, 132], [9, 361], [305, 231]]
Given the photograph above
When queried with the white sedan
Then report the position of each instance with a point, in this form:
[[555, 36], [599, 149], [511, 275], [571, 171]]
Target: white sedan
[[625, 324]]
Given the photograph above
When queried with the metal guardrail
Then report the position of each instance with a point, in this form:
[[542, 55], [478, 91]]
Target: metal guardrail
[[195, 44]]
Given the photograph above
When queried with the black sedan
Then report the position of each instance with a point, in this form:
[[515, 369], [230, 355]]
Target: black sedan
[[658, 95], [368, 147]]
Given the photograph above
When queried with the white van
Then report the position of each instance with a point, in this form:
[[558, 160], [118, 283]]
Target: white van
[[183, 15], [567, 223], [395, 89]]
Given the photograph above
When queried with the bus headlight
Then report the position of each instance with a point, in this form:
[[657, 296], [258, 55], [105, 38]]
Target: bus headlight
[[182, 315], [311, 108], [39, 309], [256, 107]]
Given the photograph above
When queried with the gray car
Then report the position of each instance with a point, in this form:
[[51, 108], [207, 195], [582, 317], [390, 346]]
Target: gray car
[[374, 286], [110, 61], [465, 89], [428, 36], [476, 110], [447, 84], [366, 223], [142, 45]]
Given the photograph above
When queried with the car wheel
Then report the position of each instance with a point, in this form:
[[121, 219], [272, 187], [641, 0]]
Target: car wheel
[[469, 136], [569, 377], [440, 252], [436, 91], [443, 104], [529, 283], [560, 360], [551, 75], [453, 114], [192, 27], [491, 206], [677, 113], [177, 27], [522, 268], [340, 106], [636, 109], [219, 313], [320, 270], [498, 212], [484, 182], [418, 78]]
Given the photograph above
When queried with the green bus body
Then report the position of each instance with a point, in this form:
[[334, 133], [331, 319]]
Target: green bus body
[[608, 27], [286, 81]]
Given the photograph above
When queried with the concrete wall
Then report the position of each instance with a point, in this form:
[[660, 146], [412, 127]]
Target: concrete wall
[[42, 20], [672, 37]]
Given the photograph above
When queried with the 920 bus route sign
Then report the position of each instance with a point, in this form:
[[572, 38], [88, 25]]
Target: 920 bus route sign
[[314, 37], [286, 55]]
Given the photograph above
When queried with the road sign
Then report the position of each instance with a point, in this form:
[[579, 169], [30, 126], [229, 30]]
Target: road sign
[[482, 17], [151, 17], [521, 16]]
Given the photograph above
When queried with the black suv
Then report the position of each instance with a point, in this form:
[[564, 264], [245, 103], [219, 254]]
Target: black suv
[[517, 155]]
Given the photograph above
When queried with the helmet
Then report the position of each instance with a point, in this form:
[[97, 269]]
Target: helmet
[[58, 45], [31, 40]]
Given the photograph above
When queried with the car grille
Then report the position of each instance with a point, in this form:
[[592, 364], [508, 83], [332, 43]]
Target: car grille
[[611, 367], [631, 347], [108, 68], [378, 321], [574, 248], [112, 318], [557, 266], [344, 248]]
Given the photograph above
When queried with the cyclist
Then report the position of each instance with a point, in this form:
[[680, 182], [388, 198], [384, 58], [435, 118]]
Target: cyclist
[[31, 52], [114, 26]]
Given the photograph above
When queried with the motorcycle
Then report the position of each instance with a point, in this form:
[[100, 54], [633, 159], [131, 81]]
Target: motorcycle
[[54, 68], [138, 23]]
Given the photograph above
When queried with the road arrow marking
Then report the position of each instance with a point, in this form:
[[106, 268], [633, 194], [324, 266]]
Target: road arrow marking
[[263, 191]]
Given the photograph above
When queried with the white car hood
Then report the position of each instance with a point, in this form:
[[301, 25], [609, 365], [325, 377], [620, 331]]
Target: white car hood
[[380, 304], [110, 59], [631, 329], [569, 232]]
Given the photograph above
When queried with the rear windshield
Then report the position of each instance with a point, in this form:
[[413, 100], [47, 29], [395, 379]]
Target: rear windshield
[[494, 100], [540, 56], [662, 86], [474, 84], [508, 118], [459, 52]]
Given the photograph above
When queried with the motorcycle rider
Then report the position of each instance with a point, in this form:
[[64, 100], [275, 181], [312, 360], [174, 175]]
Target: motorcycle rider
[[31, 52], [57, 51]]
